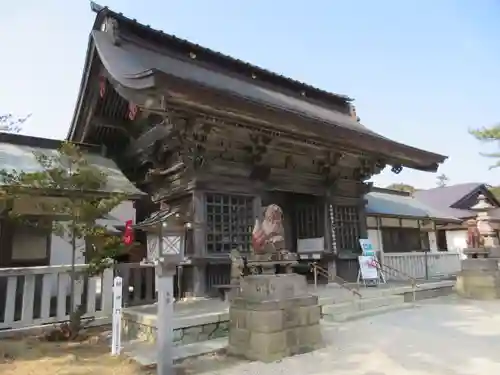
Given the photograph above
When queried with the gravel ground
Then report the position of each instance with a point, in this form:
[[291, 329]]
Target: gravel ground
[[443, 336]]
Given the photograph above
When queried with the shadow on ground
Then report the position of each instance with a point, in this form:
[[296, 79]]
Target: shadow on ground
[[444, 336]]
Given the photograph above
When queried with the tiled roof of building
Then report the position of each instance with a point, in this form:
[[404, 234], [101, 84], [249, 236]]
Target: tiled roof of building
[[397, 204]]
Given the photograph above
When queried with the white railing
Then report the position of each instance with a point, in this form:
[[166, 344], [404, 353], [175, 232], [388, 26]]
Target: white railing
[[37, 296], [34, 296], [420, 265]]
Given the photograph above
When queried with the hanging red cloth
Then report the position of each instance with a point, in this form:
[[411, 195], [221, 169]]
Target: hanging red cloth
[[132, 111], [102, 86], [128, 235]]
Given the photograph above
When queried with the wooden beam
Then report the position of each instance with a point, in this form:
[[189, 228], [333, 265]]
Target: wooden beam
[[109, 124], [87, 125], [147, 139]]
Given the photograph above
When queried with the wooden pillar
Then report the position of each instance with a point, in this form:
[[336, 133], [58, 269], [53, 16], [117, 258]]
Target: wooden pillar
[[198, 273], [328, 223], [363, 229], [199, 220], [199, 280]]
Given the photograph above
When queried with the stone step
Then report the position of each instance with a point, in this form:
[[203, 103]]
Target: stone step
[[353, 315], [361, 305], [144, 352]]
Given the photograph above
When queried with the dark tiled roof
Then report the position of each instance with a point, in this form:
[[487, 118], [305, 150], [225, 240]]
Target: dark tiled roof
[[394, 204], [442, 198], [131, 67], [18, 152], [138, 67], [134, 67], [237, 63]]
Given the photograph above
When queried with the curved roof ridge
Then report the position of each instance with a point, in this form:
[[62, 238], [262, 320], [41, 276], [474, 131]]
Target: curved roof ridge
[[103, 11]]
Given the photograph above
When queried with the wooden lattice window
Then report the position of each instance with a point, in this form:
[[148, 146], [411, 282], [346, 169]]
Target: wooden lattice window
[[230, 220], [403, 240], [309, 221], [346, 219]]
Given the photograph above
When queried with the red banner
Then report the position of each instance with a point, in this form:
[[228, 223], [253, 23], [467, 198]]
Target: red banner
[[128, 235]]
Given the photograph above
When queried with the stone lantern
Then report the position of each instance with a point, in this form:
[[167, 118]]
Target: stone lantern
[[165, 251], [479, 277], [483, 219]]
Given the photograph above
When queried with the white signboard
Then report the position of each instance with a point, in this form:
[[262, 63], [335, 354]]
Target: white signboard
[[117, 316], [368, 267]]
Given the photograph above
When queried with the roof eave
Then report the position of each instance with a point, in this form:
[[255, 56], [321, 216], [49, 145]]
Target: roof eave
[[427, 217], [103, 11], [89, 58], [409, 157]]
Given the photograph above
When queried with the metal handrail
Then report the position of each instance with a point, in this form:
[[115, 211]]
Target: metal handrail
[[413, 280], [317, 269]]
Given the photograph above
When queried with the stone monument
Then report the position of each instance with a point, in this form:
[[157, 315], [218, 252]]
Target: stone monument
[[479, 277], [273, 316]]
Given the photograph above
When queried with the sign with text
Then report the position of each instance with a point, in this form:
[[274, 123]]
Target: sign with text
[[116, 344], [367, 247], [368, 267]]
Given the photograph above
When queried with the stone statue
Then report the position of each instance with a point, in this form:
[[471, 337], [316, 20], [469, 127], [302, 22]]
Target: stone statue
[[273, 302], [269, 236], [474, 238], [237, 265]]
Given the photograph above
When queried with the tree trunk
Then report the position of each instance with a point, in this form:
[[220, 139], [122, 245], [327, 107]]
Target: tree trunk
[[72, 273]]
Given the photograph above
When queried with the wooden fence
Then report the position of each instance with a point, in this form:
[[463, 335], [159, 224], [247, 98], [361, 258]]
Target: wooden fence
[[36, 296], [420, 265]]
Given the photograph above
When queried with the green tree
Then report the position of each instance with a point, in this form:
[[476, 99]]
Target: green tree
[[442, 180], [402, 187], [80, 188], [495, 190], [488, 135], [12, 124]]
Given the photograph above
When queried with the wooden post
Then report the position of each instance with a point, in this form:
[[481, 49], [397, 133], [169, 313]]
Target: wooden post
[[117, 316], [165, 333], [315, 272]]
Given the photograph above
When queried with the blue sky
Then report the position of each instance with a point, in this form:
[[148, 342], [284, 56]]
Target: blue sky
[[422, 72]]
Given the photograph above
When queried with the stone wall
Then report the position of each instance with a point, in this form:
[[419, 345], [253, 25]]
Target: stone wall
[[275, 330], [274, 317], [479, 279], [145, 330]]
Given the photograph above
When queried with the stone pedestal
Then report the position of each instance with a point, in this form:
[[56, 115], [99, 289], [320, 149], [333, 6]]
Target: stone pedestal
[[274, 317], [479, 279]]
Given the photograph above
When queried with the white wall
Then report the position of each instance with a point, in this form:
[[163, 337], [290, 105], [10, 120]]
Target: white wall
[[29, 244], [375, 237], [124, 211], [60, 251], [456, 240], [433, 241]]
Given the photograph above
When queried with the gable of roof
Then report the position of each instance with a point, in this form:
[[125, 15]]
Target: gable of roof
[[385, 202], [17, 152], [144, 56], [228, 63], [445, 199]]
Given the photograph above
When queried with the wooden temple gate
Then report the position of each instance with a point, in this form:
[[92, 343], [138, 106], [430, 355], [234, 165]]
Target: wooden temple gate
[[219, 139]]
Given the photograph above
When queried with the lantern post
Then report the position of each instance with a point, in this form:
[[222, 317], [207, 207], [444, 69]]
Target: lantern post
[[166, 239]]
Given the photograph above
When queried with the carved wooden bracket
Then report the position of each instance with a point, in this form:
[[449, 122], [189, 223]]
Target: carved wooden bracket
[[192, 136], [328, 166], [257, 149], [160, 153], [256, 152], [368, 168]]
